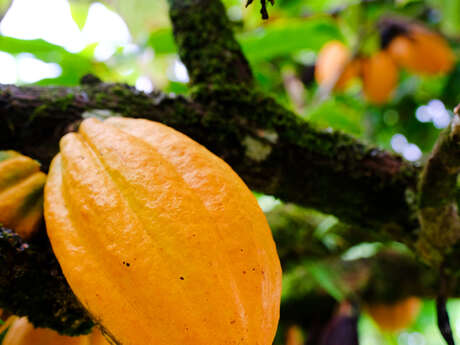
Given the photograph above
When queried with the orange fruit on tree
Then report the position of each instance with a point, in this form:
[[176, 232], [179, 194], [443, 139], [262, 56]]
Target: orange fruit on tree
[[422, 51], [380, 77], [397, 316], [160, 239], [294, 335], [335, 66]]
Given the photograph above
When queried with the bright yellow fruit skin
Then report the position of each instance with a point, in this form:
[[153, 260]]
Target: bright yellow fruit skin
[[22, 332], [160, 239], [21, 193]]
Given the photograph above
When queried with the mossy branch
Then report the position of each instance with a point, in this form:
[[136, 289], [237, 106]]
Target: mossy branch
[[271, 148], [438, 212], [32, 284], [206, 43]]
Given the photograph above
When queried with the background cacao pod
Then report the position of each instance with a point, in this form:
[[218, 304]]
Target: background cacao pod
[[397, 316], [160, 239], [294, 336], [22, 332], [21, 193], [422, 51], [334, 61], [380, 77]]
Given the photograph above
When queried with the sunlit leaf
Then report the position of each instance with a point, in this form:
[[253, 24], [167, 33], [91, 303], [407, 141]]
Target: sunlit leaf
[[162, 41], [79, 12], [285, 38], [142, 16], [74, 66]]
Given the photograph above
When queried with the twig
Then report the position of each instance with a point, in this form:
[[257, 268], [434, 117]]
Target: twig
[[263, 10], [441, 309]]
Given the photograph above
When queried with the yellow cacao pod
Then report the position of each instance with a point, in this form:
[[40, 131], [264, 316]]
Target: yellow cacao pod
[[21, 193], [22, 332], [160, 239]]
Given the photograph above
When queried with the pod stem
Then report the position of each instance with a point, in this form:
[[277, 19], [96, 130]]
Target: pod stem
[[441, 311]]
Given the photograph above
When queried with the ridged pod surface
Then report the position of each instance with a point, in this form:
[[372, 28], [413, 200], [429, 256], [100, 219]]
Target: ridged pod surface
[[21, 193], [22, 332], [422, 51], [380, 77], [397, 316], [334, 63], [160, 239]]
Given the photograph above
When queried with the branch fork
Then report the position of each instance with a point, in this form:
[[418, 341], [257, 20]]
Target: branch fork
[[437, 212]]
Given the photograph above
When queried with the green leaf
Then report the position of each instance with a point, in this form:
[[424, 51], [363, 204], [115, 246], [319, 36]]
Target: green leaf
[[79, 11], [74, 66], [327, 279], [142, 16], [451, 17], [162, 41], [286, 38], [278, 39], [343, 112]]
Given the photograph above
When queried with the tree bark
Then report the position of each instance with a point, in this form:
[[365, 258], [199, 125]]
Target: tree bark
[[271, 148]]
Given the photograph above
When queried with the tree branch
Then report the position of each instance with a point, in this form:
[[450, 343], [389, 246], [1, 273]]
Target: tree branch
[[272, 149], [32, 284], [206, 43], [438, 212]]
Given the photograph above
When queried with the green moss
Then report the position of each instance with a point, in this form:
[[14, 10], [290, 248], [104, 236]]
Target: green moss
[[212, 54], [101, 98], [64, 102]]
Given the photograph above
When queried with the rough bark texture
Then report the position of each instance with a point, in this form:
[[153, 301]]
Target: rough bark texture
[[32, 284], [272, 149], [207, 45], [438, 213]]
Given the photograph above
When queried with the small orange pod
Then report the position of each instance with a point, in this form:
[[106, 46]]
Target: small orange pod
[[397, 316], [422, 52], [294, 335], [380, 77], [334, 66]]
